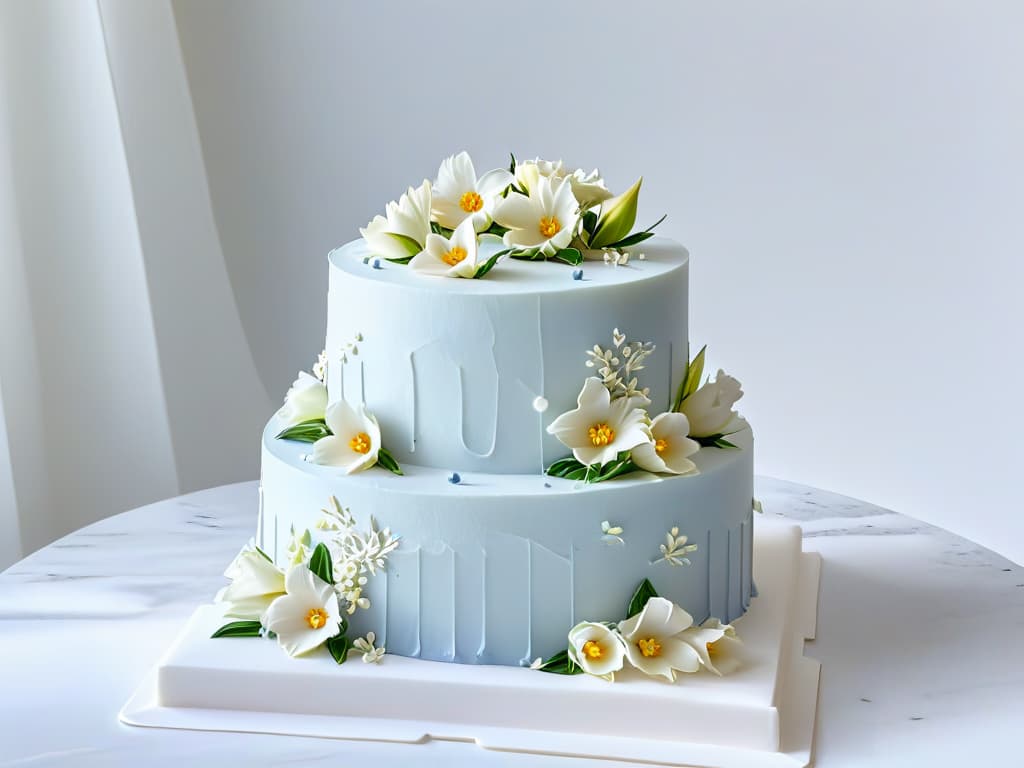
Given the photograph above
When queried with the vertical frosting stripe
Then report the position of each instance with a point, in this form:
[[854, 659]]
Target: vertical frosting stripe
[[507, 599], [437, 604], [403, 605]]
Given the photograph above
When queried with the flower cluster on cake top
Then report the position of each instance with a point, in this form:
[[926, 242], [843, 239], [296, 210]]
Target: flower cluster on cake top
[[538, 209]]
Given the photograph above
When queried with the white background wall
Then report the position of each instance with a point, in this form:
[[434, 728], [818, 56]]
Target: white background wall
[[847, 176]]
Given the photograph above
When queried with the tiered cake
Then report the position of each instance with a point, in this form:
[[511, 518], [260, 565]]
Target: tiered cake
[[507, 457], [500, 552]]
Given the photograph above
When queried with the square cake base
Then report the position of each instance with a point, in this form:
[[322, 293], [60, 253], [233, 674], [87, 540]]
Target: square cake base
[[761, 715]]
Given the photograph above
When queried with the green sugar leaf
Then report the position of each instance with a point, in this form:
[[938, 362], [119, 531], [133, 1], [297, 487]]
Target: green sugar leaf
[[305, 431], [239, 629], [643, 593], [320, 563], [388, 462], [339, 646]]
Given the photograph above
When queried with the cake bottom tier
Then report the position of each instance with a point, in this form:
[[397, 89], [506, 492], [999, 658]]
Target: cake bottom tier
[[496, 569]]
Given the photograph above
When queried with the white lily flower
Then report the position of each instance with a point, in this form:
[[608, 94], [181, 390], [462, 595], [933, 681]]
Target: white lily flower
[[403, 232], [355, 442], [307, 616], [545, 220], [306, 399], [653, 641], [365, 646], [255, 583], [600, 428], [587, 188], [458, 194], [720, 650], [669, 448], [596, 649], [449, 257], [709, 409]]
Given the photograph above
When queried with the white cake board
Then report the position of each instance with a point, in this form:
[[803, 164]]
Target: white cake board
[[761, 716]]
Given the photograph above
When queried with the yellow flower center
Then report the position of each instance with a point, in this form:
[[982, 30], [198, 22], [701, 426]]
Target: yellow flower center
[[316, 618], [712, 650], [454, 256], [550, 226], [601, 434], [592, 650], [471, 202], [360, 443], [660, 445], [649, 647]]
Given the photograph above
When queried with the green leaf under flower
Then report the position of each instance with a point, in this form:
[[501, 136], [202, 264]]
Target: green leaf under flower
[[239, 629], [305, 431], [320, 563], [644, 592], [386, 460], [715, 441], [589, 222], [437, 229], [571, 469], [488, 265], [409, 245], [339, 646], [617, 218], [561, 664], [569, 256]]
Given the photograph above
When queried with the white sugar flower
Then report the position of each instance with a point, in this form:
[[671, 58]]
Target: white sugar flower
[[600, 427], [720, 650], [371, 655], [653, 642], [587, 188], [449, 257], [545, 220], [670, 447], [255, 583], [709, 409], [403, 232], [306, 399], [459, 195], [596, 649], [675, 549], [307, 616], [355, 442]]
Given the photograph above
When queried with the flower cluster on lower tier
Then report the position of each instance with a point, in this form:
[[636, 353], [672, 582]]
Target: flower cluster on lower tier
[[538, 209], [305, 606], [658, 638], [611, 432]]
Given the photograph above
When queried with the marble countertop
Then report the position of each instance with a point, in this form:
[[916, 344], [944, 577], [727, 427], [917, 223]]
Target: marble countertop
[[920, 633]]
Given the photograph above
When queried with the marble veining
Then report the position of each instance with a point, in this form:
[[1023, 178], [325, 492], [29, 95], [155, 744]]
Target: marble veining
[[898, 608]]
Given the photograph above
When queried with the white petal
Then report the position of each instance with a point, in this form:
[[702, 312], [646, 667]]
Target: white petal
[[679, 655], [494, 182], [517, 212], [645, 457]]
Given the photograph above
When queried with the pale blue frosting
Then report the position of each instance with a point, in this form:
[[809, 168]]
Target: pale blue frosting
[[451, 367], [498, 568]]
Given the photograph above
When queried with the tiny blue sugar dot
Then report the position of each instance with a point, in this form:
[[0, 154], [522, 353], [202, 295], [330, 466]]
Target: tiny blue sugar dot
[[376, 264], [366, 259], [455, 478], [577, 274]]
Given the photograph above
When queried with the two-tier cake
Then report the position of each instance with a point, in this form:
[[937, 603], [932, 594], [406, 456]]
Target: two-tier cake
[[508, 457]]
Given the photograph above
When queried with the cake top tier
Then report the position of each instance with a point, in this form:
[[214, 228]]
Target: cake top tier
[[653, 260]]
